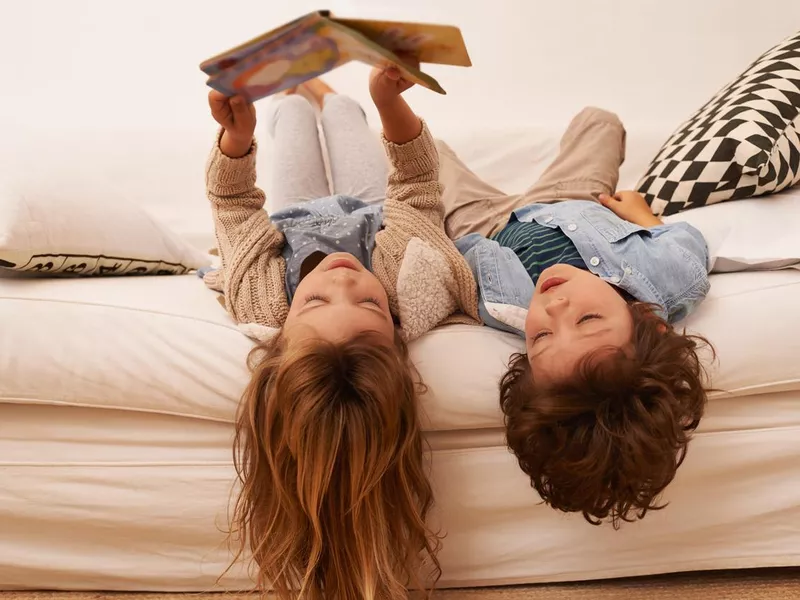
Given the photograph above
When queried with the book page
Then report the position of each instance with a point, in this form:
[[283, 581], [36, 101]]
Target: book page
[[357, 47], [435, 44]]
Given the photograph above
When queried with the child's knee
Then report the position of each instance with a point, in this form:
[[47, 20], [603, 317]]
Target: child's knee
[[593, 114], [293, 107], [338, 103], [601, 127]]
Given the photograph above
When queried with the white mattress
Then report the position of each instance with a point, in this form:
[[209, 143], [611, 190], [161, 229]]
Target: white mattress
[[121, 479]]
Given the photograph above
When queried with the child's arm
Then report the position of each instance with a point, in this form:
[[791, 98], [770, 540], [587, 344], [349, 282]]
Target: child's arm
[[400, 124], [414, 176], [436, 281], [249, 244]]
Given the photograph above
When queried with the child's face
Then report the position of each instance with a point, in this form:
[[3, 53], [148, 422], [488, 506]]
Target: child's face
[[572, 312], [338, 300]]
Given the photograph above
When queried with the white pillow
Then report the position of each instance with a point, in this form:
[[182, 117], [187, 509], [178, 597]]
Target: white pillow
[[757, 234], [72, 224]]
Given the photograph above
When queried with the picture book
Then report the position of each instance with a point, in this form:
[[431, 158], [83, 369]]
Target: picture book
[[319, 42]]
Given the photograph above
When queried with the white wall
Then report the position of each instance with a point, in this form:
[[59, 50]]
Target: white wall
[[95, 63]]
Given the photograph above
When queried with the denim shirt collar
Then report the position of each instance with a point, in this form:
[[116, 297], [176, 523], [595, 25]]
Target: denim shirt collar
[[665, 265]]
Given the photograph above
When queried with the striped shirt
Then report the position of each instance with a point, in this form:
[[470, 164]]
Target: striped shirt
[[538, 246]]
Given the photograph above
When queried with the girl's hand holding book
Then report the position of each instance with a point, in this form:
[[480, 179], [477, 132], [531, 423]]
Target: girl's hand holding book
[[238, 118], [386, 85]]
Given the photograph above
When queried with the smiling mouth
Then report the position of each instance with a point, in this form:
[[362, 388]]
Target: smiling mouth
[[552, 282], [341, 263]]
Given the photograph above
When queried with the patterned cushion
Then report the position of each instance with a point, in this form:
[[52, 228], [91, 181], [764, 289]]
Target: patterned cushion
[[70, 223], [744, 142]]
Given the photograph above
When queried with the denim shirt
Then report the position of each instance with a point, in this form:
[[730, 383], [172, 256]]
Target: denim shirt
[[666, 265]]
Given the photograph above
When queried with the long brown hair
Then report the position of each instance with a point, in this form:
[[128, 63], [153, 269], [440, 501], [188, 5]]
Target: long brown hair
[[329, 454], [608, 439]]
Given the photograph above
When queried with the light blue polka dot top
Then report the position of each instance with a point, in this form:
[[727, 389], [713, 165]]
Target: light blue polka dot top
[[328, 225]]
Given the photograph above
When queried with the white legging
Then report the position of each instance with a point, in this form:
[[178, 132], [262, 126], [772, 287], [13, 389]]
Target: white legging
[[357, 162]]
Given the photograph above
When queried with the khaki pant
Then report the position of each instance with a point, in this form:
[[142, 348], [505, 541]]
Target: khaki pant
[[591, 152]]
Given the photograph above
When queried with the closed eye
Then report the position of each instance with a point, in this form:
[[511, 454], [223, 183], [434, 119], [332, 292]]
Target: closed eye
[[583, 319], [588, 317], [374, 301], [325, 299], [539, 336], [312, 297]]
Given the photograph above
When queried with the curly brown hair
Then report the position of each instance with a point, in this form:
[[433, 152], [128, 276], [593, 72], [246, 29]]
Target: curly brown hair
[[609, 438], [329, 454]]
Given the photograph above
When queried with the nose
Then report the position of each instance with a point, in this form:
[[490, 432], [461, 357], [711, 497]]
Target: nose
[[343, 278], [556, 306]]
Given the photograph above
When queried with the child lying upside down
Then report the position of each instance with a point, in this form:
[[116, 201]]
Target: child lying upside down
[[600, 408], [333, 491]]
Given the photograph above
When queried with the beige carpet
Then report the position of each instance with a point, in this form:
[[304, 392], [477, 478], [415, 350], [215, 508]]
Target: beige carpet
[[765, 584]]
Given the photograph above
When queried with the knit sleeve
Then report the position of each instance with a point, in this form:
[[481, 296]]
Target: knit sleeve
[[414, 176], [426, 278], [249, 244]]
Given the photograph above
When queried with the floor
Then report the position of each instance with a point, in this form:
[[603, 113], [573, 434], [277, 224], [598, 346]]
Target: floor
[[762, 584]]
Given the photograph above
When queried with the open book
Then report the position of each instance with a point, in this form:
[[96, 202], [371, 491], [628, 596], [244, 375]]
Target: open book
[[318, 42]]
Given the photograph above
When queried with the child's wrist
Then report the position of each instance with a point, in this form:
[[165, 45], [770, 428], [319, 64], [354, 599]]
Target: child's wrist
[[235, 146], [388, 105], [649, 220]]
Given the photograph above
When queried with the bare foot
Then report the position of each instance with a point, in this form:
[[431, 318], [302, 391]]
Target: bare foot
[[316, 90]]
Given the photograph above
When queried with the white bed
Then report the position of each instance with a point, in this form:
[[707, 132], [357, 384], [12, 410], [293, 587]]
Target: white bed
[[117, 395]]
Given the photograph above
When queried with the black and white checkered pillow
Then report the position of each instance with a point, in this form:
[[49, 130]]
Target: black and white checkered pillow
[[744, 142]]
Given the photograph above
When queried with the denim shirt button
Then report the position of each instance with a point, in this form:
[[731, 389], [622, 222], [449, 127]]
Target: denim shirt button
[[594, 261], [572, 227], [628, 270], [614, 279]]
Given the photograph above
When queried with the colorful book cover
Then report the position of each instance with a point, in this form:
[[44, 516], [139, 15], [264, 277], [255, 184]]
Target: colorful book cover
[[229, 58], [433, 44], [318, 43]]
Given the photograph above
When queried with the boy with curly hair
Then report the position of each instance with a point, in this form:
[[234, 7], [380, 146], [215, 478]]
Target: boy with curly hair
[[600, 408]]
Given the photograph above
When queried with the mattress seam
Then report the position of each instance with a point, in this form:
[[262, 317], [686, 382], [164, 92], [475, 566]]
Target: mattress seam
[[753, 290], [784, 385], [230, 327], [21, 401], [107, 464]]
